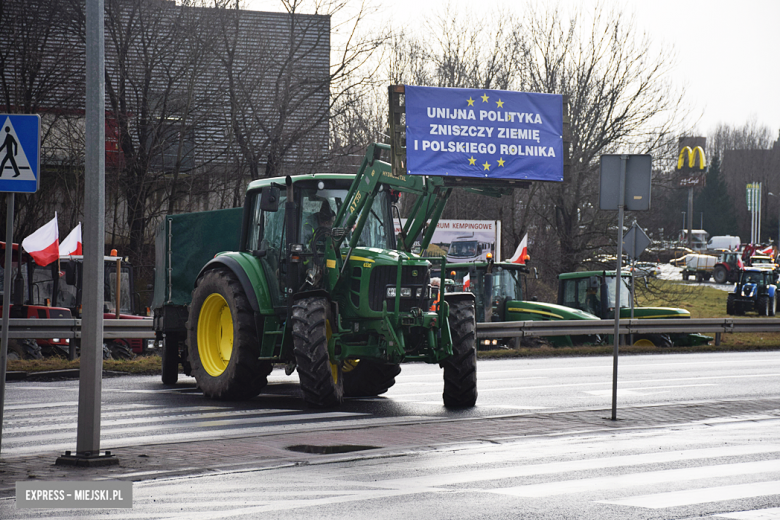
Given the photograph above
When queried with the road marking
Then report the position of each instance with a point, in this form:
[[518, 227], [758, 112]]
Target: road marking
[[758, 514], [647, 478], [700, 496]]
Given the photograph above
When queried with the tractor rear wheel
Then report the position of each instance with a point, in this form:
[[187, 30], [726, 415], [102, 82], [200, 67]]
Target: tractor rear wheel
[[365, 378], [720, 274], [460, 370], [170, 359], [222, 339], [322, 381], [121, 350], [19, 349]]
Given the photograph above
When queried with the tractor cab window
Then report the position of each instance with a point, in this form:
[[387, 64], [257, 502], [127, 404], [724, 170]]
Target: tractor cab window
[[625, 292], [125, 298], [575, 294], [506, 284]]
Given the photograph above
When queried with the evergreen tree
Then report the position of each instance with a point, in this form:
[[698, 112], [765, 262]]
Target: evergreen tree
[[715, 204]]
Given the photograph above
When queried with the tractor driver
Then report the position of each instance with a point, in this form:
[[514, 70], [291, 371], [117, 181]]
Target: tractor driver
[[592, 303], [321, 220]]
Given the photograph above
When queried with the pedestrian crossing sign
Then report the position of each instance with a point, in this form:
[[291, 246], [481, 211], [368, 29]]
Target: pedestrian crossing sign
[[20, 150]]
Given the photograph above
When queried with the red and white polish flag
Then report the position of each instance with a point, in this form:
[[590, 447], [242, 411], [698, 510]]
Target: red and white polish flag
[[466, 281], [44, 244], [521, 254], [72, 243]]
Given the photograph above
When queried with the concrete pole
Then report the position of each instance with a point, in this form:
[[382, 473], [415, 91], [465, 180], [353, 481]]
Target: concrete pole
[[90, 383]]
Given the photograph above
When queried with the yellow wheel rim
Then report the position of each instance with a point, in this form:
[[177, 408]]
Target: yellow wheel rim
[[644, 342], [215, 334]]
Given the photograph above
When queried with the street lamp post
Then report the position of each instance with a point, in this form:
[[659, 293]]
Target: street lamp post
[[778, 220]]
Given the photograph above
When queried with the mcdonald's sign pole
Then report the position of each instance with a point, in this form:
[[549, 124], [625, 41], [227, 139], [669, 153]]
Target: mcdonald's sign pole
[[691, 165]]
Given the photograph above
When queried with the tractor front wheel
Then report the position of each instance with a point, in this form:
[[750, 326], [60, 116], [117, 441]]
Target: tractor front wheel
[[222, 339], [321, 380], [653, 340], [762, 306], [731, 305], [720, 274], [460, 370], [365, 378]]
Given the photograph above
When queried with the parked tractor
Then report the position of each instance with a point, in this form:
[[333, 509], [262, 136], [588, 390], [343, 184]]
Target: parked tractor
[[727, 268], [503, 285], [321, 284], [30, 298], [594, 292], [755, 290]]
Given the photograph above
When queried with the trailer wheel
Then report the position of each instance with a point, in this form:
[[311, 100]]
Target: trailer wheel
[[685, 275], [170, 359], [322, 381], [731, 305], [720, 274], [365, 378], [460, 370], [222, 340]]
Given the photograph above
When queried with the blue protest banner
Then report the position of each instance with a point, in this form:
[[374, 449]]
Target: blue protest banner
[[20, 145], [484, 133]]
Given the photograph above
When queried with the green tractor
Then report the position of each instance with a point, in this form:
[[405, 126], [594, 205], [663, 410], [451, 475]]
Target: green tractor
[[594, 292], [503, 284], [321, 284]]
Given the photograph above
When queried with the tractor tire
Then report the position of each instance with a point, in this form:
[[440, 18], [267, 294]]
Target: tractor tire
[[653, 340], [170, 359], [731, 305], [364, 378], [772, 306], [322, 382], [460, 370], [720, 274], [120, 350], [223, 346], [19, 349], [762, 305]]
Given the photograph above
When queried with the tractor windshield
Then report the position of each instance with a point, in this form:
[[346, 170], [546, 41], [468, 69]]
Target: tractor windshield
[[320, 206], [506, 285], [625, 292]]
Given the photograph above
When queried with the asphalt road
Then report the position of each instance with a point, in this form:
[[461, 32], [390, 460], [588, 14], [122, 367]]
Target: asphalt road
[[548, 464]]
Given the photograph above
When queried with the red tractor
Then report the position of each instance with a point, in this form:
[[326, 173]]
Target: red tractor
[[31, 298], [728, 267]]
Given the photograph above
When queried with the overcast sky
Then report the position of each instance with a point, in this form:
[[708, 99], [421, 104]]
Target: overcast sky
[[728, 52]]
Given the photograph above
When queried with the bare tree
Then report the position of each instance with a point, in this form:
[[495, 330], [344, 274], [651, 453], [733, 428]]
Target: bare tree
[[41, 73], [620, 101], [283, 120]]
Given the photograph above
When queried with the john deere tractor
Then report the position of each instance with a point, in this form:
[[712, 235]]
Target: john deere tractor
[[321, 284]]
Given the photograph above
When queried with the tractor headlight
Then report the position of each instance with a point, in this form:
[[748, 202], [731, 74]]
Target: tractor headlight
[[391, 292], [406, 292], [419, 292]]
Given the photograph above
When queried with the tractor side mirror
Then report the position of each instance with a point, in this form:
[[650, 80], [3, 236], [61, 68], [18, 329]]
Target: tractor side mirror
[[593, 282], [269, 199]]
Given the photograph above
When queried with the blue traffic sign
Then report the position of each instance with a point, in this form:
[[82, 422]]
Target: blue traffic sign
[[20, 152]]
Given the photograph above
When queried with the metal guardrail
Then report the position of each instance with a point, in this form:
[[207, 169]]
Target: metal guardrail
[[519, 329], [33, 328]]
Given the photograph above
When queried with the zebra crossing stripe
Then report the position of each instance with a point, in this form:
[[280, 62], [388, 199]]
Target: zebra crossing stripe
[[647, 478], [700, 496]]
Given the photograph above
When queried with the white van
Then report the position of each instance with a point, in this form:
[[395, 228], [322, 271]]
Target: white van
[[727, 242]]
